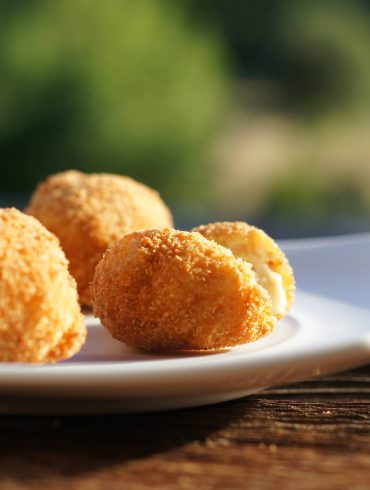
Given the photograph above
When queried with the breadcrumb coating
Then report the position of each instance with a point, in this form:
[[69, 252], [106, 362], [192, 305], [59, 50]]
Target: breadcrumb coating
[[168, 290], [256, 247], [40, 318], [89, 212]]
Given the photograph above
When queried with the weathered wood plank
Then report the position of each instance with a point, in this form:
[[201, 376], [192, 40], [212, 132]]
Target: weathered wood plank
[[313, 435]]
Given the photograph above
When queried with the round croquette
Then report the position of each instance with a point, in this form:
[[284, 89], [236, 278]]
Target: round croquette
[[168, 290], [89, 212], [253, 245], [40, 318]]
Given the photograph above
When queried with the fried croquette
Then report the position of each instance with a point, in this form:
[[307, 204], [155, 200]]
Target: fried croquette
[[253, 245], [168, 290], [89, 212], [40, 318]]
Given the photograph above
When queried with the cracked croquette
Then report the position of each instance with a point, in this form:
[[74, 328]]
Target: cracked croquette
[[40, 318], [89, 212], [168, 290], [253, 245]]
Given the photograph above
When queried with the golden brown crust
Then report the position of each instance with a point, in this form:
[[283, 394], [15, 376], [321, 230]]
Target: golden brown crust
[[40, 318], [165, 290], [247, 242], [90, 212]]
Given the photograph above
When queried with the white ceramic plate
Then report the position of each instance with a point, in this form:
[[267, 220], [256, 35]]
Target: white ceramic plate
[[328, 330]]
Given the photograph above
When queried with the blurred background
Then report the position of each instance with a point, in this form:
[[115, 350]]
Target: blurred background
[[254, 110]]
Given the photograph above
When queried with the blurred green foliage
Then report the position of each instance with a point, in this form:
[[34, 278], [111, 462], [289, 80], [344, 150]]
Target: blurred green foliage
[[303, 196], [315, 57], [302, 205], [143, 88], [116, 86], [316, 52]]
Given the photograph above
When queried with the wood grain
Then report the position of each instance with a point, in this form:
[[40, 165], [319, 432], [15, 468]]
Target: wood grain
[[312, 435]]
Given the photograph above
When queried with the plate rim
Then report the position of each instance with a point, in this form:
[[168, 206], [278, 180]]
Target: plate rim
[[64, 372]]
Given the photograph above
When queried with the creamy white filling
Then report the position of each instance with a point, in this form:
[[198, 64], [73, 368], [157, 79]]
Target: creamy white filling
[[273, 283]]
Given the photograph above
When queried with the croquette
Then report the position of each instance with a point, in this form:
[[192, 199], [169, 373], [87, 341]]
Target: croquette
[[89, 212], [40, 318], [253, 245], [167, 290]]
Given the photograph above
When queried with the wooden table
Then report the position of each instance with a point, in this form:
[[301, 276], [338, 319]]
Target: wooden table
[[312, 435]]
